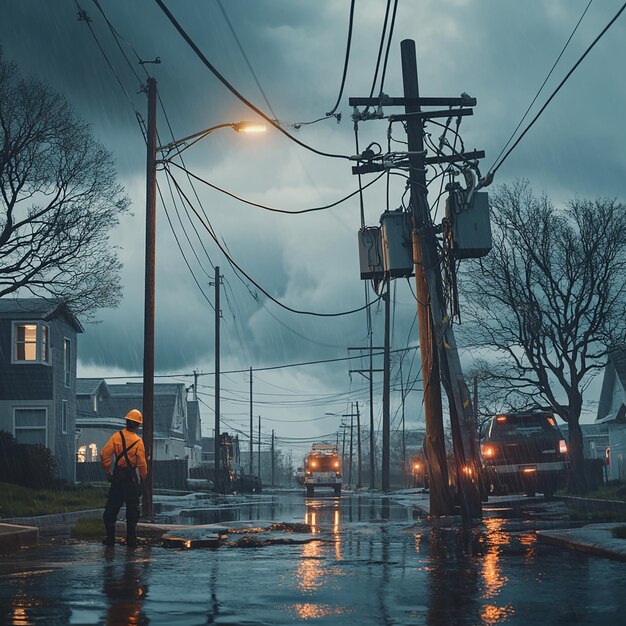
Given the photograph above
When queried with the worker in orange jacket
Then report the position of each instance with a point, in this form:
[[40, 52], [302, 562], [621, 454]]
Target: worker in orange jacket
[[122, 457]]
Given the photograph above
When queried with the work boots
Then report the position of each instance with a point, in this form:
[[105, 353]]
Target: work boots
[[109, 540], [131, 536]]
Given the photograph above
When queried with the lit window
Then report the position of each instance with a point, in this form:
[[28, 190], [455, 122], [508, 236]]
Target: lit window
[[80, 455], [30, 342], [67, 361], [93, 451]]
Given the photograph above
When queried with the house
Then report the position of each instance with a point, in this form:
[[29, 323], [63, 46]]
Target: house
[[612, 411], [101, 411], [38, 346]]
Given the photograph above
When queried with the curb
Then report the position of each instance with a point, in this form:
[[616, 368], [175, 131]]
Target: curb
[[13, 537], [47, 522], [595, 539]]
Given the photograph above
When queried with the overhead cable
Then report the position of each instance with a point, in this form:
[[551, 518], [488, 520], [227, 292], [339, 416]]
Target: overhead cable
[[346, 60], [245, 57], [491, 174], [580, 19], [257, 285], [263, 369], [274, 209], [234, 91]]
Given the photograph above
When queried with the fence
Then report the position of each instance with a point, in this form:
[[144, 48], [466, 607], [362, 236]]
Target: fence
[[166, 474]]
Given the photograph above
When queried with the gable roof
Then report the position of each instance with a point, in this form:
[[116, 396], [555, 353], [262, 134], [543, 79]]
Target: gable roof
[[37, 308], [618, 358], [129, 396], [88, 386]]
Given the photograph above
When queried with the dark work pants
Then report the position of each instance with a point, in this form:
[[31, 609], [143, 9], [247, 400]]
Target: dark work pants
[[120, 492]]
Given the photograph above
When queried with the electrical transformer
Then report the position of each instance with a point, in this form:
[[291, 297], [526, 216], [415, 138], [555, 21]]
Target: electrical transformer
[[470, 225], [396, 228], [370, 253]]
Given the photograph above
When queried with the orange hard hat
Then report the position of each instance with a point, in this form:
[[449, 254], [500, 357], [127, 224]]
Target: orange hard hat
[[135, 416]]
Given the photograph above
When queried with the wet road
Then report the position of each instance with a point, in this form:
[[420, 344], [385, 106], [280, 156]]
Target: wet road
[[374, 564]]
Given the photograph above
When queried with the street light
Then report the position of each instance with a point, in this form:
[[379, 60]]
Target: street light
[[182, 144], [150, 265]]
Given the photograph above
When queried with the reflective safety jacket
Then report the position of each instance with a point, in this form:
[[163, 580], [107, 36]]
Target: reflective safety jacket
[[114, 447]]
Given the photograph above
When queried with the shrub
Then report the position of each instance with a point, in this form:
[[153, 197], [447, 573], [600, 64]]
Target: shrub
[[29, 465]]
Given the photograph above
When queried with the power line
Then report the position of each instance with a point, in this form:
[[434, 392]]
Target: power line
[[544, 82], [245, 58], [262, 369], [269, 208], [346, 59], [257, 285], [393, 21], [380, 48], [234, 91], [492, 173]]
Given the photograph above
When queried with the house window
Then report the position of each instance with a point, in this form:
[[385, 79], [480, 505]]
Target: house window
[[64, 418], [30, 342], [30, 426], [67, 361], [87, 454], [95, 403]]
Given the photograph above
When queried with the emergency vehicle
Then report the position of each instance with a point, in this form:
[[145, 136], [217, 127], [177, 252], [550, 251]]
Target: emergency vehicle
[[322, 468]]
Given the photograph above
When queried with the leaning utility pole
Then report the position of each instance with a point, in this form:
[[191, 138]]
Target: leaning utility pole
[[150, 271], [218, 476], [437, 343], [251, 421], [437, 324]]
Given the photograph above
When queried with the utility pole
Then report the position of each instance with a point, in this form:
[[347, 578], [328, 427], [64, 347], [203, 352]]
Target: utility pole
[[195, 384], [149, 299], [372, 456], [343, 447], [218, 475], [437, 343], [258, 449], [429, 283], [403, 427], [358, 439], [369, 374], [351, 426], [425, 257], [386, 368], [251, 421], [272, 457]]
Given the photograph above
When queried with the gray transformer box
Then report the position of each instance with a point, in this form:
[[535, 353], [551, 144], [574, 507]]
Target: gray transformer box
[[370, 253], [396, 239], [471, 226]]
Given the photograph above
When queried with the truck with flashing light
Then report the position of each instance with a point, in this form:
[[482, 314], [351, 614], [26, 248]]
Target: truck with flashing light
[[322, 468]]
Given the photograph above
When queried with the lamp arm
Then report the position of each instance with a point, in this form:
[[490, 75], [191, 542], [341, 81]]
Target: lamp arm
[[196, 137]]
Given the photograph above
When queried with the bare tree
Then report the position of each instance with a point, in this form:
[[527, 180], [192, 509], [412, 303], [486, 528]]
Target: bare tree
[[58, 200], [548, 303]]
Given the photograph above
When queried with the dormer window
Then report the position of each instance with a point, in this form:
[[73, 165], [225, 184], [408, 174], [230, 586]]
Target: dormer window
[[31, 342]]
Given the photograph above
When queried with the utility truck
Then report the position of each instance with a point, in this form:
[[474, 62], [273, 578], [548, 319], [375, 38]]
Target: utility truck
[[322, 468]]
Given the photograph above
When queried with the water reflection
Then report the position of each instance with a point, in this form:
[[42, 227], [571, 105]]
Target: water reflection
[[493, 577], [126, 591]]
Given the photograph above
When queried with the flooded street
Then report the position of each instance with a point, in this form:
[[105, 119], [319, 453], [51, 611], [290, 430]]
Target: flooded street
[[371, 563]]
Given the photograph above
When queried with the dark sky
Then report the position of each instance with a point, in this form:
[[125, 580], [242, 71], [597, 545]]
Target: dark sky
[[496, 50]]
